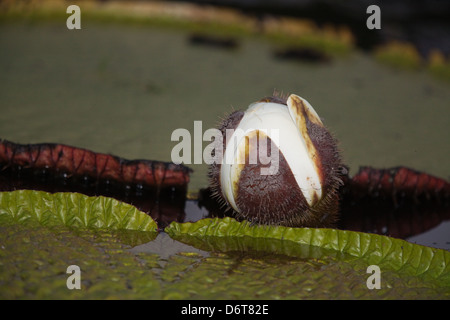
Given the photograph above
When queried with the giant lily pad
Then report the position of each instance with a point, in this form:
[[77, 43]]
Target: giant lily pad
[[72, 210], [241, 261], [34, 260], [329, 261], [42, 234]]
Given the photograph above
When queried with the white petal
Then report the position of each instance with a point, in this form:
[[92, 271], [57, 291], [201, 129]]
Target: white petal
[[268, 116]]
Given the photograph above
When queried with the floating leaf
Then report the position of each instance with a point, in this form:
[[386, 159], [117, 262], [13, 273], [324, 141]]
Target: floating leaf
[[430, 266], [72, 210]]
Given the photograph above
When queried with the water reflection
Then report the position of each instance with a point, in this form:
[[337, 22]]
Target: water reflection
[[403, 219], [381, 216], [164, 205]]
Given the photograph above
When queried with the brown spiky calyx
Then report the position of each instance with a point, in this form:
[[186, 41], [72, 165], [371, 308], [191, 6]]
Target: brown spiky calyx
[[278, 198]]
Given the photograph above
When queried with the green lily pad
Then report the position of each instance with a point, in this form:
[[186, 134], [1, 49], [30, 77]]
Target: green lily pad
[[42, 234], [240, 261], [72, 210], [34, 260], [338, 258]]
